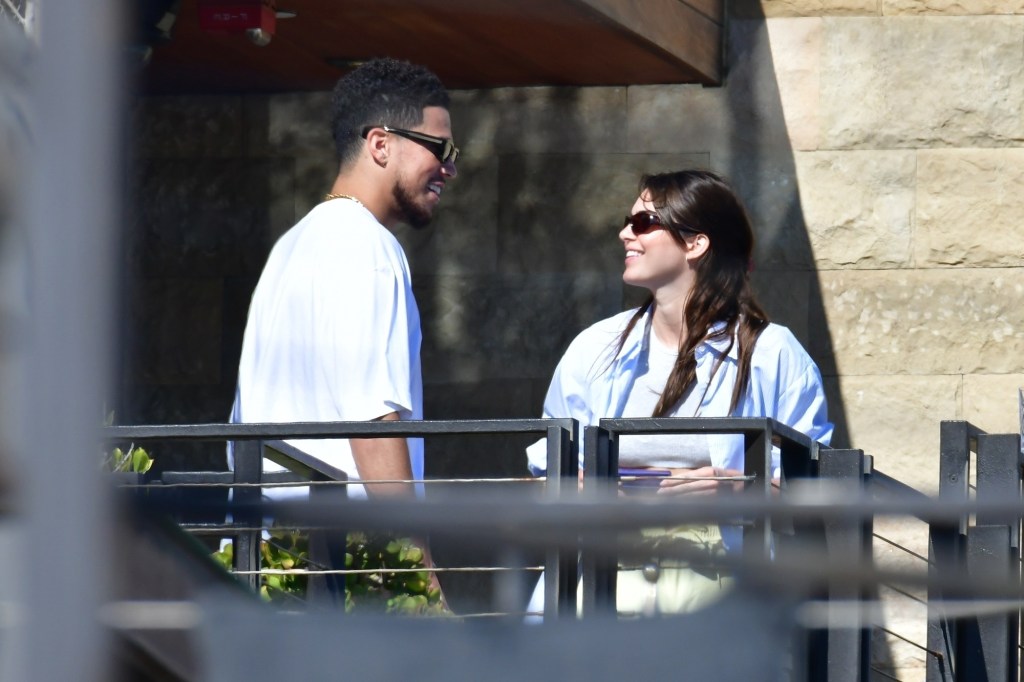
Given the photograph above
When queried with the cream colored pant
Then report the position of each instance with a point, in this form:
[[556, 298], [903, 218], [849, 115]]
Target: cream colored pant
[[671, 585], [676, 587]]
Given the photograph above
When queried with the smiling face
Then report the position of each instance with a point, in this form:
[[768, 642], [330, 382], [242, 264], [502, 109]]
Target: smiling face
[[419, 177], [655, 260]]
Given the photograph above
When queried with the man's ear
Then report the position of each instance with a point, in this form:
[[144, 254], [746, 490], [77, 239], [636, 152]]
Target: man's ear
[[377, 145], [698, 246]]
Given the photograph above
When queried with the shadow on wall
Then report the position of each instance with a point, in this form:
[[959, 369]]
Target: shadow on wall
[[758, 157]]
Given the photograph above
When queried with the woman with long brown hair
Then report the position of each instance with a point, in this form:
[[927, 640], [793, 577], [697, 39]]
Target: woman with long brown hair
[[700, 346]]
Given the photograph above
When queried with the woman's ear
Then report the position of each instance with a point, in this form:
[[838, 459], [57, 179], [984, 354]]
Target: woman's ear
[[698, 246]]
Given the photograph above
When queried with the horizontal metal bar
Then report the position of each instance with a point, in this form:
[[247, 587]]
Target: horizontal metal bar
[[972, 431], [224, 529], [314, 430], [595, 511], [288, 480], [881, 484], [391, 570], [225, 478], [803, 570], [724, 425]]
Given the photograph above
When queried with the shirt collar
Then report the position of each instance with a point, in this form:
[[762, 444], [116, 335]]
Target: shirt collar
[[639, 339], [723, 344]]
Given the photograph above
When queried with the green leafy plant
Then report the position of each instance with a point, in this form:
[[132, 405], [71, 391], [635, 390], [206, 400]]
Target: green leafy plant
[[283, 551], [377, 587], [134, 460], [407, 591]]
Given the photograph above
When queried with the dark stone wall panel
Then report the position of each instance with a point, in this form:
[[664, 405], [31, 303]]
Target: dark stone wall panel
[[176, 331], [538, 120], [237, 296], [784, 296], [298, 123], [189, 127], [563, 212], [156, 404], [771, 198], [485, 456], [505, 327], [204, 217]]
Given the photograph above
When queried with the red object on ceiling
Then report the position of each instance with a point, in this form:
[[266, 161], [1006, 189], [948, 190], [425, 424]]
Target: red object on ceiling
[[223, 16]]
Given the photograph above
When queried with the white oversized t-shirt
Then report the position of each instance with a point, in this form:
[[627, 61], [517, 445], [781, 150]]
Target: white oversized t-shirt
[[333, 334]]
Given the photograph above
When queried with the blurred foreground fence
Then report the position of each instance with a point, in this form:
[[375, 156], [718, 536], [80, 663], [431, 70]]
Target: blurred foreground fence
[[806, 604]]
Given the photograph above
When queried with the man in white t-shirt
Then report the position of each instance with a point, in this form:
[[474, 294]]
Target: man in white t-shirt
[[333, 332]]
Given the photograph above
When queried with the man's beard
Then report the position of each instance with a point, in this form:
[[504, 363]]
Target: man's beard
[[414, 215]]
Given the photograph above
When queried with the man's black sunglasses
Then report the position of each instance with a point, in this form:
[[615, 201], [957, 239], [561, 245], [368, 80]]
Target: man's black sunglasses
[[643, 222], [441, 147]]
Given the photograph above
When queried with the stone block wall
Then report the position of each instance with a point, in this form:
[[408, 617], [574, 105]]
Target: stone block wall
[[878, 146], [905, 120]]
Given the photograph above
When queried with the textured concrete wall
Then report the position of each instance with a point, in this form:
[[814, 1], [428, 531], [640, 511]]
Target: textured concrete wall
[[877, 145]]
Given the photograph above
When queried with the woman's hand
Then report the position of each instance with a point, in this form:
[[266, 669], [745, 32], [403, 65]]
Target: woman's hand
[[700, 481]]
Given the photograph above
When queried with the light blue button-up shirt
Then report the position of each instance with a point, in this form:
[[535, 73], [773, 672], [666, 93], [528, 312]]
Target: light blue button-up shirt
[[591, 382]]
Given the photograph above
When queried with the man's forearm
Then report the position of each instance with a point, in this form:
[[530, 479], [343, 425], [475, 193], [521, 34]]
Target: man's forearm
[[387, 459]]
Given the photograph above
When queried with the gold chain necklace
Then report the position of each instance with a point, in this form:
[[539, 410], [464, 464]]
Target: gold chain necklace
[[331, 195]]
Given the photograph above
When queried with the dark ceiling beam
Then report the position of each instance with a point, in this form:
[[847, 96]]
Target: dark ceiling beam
[[688, 31], [468, 43]]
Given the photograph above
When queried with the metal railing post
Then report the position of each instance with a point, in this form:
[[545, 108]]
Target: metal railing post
[[561, 566], [993, 553], [946, 547], [999, 477], [986, 650], [328, 545], [600, 571], [248, 470], [847, 649], [757, 462]]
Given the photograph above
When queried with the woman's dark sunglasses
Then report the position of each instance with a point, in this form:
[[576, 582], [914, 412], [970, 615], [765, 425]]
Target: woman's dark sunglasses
[[441, 147], [643, 222]]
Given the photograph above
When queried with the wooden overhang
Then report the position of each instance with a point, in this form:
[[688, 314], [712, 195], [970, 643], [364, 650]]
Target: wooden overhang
[[468, 43]]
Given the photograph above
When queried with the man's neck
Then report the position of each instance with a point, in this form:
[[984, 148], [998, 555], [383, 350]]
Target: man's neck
[[372, 196]]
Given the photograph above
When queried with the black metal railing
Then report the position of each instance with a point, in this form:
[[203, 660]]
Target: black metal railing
[[832, 536], [832, 653], [884, 488], [253, 442], [602, 463], [983, 550]]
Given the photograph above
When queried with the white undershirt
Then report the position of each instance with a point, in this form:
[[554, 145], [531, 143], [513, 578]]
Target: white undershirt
[[679, 451]]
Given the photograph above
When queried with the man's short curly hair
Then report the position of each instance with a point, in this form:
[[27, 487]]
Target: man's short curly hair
[[381, 92]]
